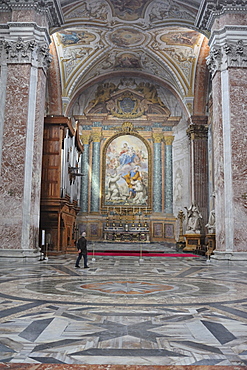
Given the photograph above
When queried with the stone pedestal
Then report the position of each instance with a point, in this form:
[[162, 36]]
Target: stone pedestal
[[210, 242], [193, 242]]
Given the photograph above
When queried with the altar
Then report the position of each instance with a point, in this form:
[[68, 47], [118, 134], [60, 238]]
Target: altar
[[126, 233]]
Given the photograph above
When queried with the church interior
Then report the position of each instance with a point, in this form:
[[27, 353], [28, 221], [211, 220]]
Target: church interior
[[124, 120]]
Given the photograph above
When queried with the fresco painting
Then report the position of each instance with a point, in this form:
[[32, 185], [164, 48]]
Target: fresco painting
[[126, 172]]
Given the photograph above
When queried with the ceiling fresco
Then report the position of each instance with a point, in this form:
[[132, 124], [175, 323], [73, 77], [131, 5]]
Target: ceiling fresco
[[154, 38]]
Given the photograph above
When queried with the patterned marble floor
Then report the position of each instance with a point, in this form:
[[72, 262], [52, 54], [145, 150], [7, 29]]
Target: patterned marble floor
[[165, 311]]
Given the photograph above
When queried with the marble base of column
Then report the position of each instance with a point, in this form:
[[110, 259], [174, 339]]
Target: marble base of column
[[229, 256], [24, 254]]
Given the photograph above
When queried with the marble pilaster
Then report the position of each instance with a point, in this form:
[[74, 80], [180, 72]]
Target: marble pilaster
[[227, 63], [168, 175], [85, 170], [24, 59], [95, 181], [157, 173], [197, 133]]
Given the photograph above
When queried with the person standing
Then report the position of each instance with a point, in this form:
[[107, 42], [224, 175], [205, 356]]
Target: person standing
[[82, 251]]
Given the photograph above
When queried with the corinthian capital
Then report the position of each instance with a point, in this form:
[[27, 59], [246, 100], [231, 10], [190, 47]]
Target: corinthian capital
[[96, 135], [30, 52], [157, 137], [229, 54]]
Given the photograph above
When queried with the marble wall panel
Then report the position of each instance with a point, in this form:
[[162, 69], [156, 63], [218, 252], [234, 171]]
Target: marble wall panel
[[181, 169], [37, 159], [201, 81], [54, 106], [201, 176], [5, 17], [238, 88], [217, 130], [230, 19], [29, 15]]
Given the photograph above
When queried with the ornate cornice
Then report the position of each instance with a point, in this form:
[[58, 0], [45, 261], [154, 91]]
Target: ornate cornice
[[230, 54], [197, 132], [211, 9], [25, 29], [51, 8], [26, 52]]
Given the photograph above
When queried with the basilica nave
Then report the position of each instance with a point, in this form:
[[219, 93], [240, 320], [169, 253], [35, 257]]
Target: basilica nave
[[123, 120]]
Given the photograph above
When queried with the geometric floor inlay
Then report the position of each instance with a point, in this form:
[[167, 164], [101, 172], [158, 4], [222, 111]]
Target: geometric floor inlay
[[127, 287], [124, 311]]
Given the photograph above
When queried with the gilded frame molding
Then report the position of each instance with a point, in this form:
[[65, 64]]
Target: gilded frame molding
[[127, 128]]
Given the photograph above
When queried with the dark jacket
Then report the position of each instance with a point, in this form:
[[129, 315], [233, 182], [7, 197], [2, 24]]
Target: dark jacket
[[82, 245]]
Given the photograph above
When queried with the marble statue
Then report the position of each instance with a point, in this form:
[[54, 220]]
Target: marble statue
[[211, 222], [194, 220]]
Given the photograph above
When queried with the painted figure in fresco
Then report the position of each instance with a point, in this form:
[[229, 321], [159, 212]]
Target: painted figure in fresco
[[126, 155], [131, 178], [194, 219], [141, 192], [113, 188]]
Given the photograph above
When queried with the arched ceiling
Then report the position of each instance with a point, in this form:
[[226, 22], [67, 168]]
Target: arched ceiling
[[155, 39]]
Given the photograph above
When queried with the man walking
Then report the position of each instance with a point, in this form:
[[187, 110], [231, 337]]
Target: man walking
[[82, 251]]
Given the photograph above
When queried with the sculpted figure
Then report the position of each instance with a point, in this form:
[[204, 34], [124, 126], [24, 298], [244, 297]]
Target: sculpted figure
[[211, 222], [194, 220]]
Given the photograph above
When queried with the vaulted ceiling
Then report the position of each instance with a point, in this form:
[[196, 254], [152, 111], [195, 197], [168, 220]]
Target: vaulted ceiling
[[155, 39]]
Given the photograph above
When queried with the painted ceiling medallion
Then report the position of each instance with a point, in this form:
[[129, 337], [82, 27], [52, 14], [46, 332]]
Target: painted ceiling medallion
[[126, 37]]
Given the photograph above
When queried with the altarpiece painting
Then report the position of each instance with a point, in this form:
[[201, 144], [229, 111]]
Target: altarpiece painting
[[126, 177]]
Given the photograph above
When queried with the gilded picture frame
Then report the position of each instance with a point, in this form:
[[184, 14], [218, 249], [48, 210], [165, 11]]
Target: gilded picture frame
[[126, 175]]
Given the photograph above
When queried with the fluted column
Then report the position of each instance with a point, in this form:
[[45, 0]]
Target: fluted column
[[85, 138], [168, 175], [95, 180], [198, 134], [24, 59], [157, 173]]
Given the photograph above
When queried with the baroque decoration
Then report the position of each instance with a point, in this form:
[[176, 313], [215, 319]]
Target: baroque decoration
[[127, 103], [126, 169]]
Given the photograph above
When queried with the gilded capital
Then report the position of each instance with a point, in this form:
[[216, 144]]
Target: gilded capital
[[96, 135], [168, 140], [85, 138], [197, 132], [157, 137]]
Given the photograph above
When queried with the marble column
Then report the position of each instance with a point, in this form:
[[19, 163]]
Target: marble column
[[227, 63], [24, 58], [157, 172], [85, 170], [168, 175], [198, 134], [95, 180]]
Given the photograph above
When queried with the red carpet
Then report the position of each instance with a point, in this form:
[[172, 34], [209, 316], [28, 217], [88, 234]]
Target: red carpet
[[144, 254]]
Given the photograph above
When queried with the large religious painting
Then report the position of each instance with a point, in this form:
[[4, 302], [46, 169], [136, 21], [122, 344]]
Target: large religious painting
[[126, 172]]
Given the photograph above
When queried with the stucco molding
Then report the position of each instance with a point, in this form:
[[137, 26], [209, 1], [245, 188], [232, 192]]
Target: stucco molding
[[51, 8], [210, 10]]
